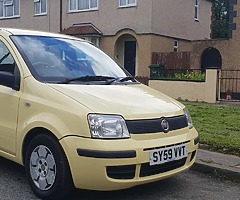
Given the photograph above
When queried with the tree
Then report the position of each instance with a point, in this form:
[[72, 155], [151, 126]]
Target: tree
[[220, 19]]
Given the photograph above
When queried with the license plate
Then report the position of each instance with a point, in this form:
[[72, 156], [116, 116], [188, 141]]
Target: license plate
[[168, 154]]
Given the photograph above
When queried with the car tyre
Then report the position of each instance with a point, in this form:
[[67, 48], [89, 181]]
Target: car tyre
[[47, 168]]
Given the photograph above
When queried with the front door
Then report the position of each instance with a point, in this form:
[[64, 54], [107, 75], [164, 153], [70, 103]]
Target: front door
[[130, 57], [9, 100]]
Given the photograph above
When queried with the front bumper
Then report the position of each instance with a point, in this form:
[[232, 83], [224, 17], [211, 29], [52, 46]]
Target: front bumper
[[118, 164]]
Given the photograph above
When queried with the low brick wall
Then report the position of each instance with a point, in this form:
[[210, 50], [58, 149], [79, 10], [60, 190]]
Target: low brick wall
[[191, 91]]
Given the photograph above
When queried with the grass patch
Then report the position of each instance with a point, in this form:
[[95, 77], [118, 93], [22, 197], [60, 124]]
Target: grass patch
[[218, 126]]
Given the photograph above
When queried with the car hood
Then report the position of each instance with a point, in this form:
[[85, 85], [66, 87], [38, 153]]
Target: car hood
[[133, 101]]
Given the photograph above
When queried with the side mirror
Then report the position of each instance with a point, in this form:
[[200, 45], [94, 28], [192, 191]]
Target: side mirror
[[8, 79]]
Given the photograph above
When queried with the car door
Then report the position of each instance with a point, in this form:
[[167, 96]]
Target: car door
[[9, 100]]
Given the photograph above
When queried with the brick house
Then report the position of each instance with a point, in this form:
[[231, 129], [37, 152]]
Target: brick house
[[127, 30], [222, 54]]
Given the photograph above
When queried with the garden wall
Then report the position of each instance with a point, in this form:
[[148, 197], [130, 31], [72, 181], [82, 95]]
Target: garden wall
[[188, 90]]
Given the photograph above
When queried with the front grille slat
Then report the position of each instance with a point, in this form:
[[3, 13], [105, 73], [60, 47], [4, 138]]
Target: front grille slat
[[148, 170], [154, 125], [121, 172]]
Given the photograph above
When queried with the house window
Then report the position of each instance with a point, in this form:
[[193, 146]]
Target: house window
[[82, 5], [9, 8], [196, 11], [40, 7], [127, 3], [93, 40], [175, 47]]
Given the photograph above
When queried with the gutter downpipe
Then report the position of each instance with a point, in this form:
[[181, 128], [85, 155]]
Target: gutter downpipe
[[61, 9]]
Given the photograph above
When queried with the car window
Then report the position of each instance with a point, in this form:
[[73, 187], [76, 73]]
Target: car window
[[56, 59], [7, 63]]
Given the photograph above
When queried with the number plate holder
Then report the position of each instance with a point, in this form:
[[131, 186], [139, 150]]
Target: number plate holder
[[168, 154]]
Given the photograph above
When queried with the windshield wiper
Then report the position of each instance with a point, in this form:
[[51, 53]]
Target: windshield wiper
[[128, 78], [121, 80], [86, 79]]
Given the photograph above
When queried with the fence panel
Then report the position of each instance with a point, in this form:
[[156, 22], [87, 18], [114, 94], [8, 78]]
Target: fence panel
[[172, 59]]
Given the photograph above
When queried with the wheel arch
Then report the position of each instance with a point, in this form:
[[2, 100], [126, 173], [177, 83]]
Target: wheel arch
[[30, 135]]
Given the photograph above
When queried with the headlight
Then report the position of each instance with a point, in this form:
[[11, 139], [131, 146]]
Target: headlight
[[107, 126], [188, 116]]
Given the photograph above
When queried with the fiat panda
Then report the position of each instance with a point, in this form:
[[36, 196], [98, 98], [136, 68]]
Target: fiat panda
[[75, 119]]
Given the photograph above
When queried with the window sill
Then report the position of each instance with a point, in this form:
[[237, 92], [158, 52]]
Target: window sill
[[10, 17], [41, 14], [128, 6], [79, 11]]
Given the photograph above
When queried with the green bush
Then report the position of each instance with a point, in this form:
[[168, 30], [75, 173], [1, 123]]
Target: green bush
[[158, 72], [190, 76]]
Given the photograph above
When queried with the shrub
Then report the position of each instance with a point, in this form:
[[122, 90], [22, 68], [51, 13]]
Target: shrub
[[190, 76]]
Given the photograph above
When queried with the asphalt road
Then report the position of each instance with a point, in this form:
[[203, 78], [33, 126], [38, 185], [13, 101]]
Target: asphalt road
[[188, 185]]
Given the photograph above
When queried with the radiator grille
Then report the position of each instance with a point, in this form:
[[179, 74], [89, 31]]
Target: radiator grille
[[154, 125]]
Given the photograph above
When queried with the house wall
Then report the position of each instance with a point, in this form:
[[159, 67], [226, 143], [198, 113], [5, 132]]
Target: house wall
[[166, 44], [155, 24], [161, 17], [146, 44], [231, 52], [223, 46], [176, 19], [27, 20], [109, 18], [228, 48], [108, 45]]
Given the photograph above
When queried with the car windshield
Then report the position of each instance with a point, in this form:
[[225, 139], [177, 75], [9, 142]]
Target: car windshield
[[60, 60]]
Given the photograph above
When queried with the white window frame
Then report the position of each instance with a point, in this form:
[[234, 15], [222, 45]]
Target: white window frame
[[80, 10], [40, 2], [90, 39], [127, 4], [196, 10], [8, 3]]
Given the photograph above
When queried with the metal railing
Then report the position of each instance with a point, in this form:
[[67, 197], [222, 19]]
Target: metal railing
[[230, 84]]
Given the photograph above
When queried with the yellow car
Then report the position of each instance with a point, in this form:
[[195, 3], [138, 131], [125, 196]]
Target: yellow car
[[74, 118]]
